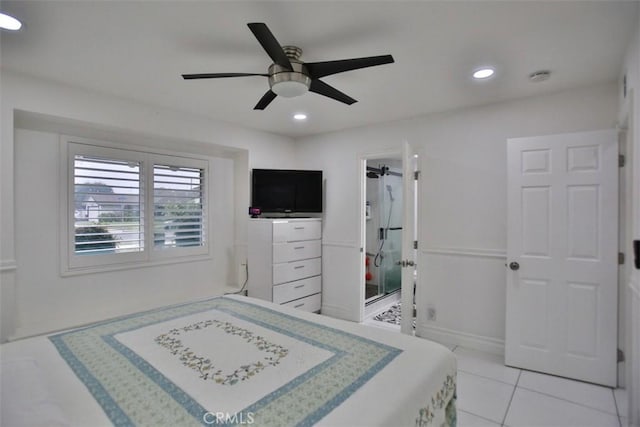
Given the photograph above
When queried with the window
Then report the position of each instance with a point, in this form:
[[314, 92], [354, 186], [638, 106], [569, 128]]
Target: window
[[177, 206], [126, 206]]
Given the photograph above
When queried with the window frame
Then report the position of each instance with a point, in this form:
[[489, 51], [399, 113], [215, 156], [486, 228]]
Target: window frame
[[72, 263]]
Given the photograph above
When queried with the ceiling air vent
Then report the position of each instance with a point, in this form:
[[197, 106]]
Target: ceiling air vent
[[539, 76]]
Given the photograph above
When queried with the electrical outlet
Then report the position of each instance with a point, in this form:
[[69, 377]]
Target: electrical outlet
[[431, 313]]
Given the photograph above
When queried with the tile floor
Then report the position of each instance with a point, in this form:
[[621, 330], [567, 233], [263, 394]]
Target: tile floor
[[491, 394]]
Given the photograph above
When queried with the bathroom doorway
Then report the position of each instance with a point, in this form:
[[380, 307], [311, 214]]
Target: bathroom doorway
[[383, 228], [389, 230]]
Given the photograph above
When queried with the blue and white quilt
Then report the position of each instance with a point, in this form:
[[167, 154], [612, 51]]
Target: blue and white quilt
[[237, 361]]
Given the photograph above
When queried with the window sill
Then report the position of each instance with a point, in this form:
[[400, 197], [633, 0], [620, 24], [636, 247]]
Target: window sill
[[79, 271]]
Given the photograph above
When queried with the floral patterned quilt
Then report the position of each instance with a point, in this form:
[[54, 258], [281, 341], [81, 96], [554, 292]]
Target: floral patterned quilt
[[237, 361]]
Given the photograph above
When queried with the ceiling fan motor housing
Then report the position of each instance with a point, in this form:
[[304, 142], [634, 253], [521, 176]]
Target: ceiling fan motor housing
[[287, 83]]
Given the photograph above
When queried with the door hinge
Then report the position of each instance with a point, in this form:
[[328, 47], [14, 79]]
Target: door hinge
[[415, 244], [620, 258], [621, 160], [620, 356], [416, 175]]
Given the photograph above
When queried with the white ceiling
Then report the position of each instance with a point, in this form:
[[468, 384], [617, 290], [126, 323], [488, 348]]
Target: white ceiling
[[139, 49]]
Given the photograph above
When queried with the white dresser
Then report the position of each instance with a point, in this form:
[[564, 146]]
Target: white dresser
[[285, 261]]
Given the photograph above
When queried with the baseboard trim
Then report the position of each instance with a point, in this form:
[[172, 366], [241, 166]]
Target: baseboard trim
[[463, 339], [337, 312]]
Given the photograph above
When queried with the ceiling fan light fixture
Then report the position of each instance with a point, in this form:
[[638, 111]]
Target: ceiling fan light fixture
[[289, 88]]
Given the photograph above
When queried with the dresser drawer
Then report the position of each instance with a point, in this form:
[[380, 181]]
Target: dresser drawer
[[296, 290], [296, 231], [294, 251], [290, 271], [310, 303]]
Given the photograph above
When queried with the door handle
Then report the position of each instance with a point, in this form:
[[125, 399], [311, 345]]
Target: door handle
[[406, 263], [514, 266]]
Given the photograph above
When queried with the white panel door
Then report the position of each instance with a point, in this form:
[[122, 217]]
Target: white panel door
[[562, 255], [408, 236]]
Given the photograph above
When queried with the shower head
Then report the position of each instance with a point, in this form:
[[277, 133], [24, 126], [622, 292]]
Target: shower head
[[390, 193]]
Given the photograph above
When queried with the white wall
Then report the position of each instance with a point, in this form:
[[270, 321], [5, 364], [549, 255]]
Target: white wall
[[34, 298], [463, 196]]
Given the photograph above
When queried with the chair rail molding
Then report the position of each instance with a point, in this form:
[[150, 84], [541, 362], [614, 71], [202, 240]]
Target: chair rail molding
[[470, 252], [340, 243], [8, 265]]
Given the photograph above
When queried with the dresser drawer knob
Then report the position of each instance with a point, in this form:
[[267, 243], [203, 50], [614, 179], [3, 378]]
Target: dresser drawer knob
[[297, 267], [298, 287]]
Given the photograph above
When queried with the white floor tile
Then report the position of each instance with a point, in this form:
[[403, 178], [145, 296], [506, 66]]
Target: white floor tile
[[575, 391], [622, 401], [529, 408], [486, 365], [483, 397], [466, 419]]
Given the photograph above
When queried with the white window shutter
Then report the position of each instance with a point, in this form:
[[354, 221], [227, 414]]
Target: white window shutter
[[178, 206], [107, 206]]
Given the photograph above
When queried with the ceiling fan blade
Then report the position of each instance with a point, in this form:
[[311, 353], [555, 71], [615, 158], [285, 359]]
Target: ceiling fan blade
[[270, 44], [219, 75], [265, 100], [327, 68], [322, 88]]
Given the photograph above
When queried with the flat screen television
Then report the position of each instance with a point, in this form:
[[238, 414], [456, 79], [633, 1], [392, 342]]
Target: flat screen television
[[286, 190]]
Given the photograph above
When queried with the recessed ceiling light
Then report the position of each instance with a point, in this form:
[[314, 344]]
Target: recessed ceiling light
[[483, 73], [300, 116], [9, 22]]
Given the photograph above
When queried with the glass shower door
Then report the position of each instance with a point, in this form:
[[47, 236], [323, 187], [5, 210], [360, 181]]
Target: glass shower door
[[392, 213], [391, 279]]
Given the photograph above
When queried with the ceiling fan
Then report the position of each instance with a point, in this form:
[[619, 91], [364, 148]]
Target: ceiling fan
[[290, 77]]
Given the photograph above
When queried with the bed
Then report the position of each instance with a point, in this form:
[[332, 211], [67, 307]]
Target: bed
[[228, 360]]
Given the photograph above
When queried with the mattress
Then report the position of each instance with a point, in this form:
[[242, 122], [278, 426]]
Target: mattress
[[227, 361]]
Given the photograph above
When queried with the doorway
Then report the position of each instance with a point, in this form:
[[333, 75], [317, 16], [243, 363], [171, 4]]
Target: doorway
[[389, 235], [383, 229], [389, 195]]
